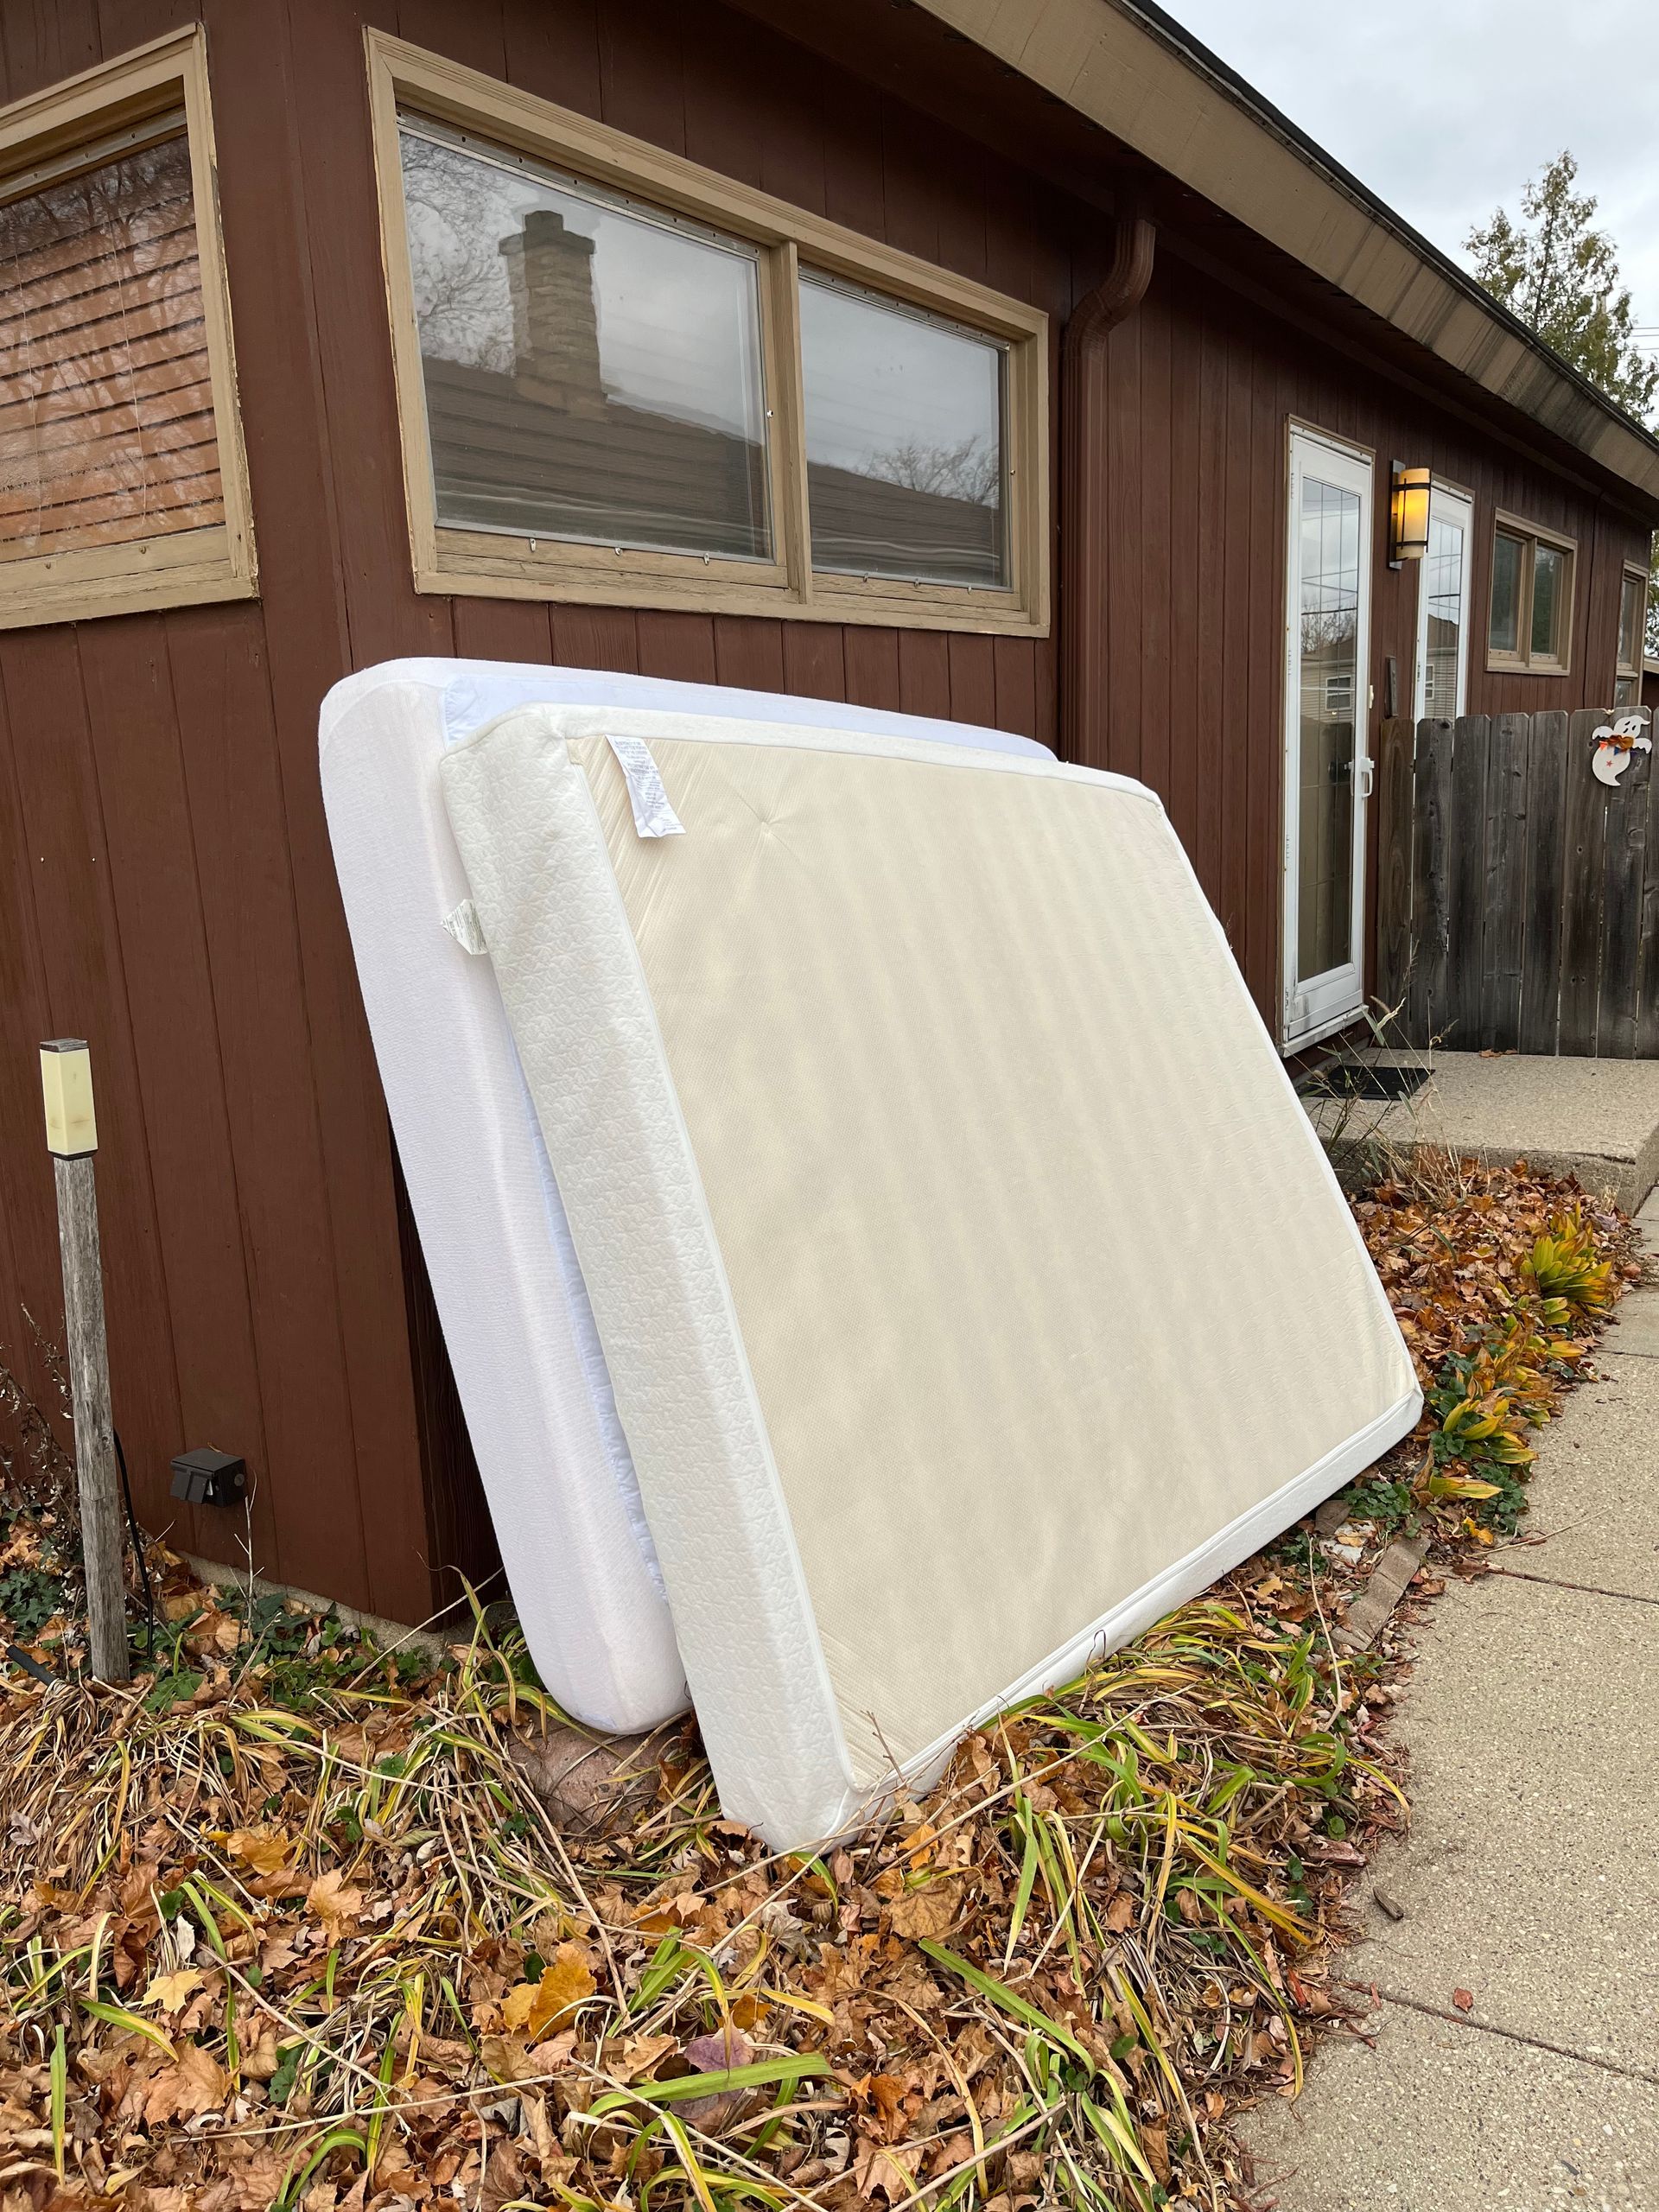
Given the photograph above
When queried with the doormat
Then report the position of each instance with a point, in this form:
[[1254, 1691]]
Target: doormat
[[1360, 1079]]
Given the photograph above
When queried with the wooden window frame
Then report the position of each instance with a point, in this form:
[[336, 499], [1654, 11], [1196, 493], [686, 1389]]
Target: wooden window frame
[[184, 567], [1625, 671], [1525, 662], [486, 565]]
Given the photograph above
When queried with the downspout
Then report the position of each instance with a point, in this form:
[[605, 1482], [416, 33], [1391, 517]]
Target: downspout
[[1083, 480]]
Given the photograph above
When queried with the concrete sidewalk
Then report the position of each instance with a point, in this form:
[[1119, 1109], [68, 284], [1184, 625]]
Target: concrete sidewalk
[[1531, 1879]]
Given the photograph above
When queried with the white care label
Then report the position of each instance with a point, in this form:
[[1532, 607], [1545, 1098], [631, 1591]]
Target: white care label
[[463, 924], [652, 815]]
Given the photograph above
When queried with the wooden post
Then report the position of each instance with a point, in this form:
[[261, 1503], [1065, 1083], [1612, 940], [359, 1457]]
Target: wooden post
[[71, 1138]]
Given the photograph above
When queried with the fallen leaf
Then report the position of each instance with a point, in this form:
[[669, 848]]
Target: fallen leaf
[[261, 2060], [637, 2057], [930, 1909], [263, 1850], [504, 2178], [1154, 2141], [197, 2083], [173, 1991], [1120, 1913], [507, 2058], [553, 2056], [1464, 1999], [532, 2008], [335, 1903], [885, 2169], [716, 2053]]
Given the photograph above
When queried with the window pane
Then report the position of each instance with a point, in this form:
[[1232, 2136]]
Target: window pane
[[1627, 691], [106, 406], [904, 442], [591, 373], [1631, 606], [1508, 555], [1549, 579], [1443, 611], [1328, 690]]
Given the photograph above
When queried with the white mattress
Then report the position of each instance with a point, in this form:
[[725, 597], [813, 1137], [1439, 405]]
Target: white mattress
[[971, 1284], [527, 1360]]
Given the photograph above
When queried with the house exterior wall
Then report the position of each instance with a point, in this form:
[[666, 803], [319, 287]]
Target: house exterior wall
[[166, 886], [1191, 492]]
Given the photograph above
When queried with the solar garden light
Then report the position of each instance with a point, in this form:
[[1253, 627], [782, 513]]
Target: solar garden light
[[71, 1138]]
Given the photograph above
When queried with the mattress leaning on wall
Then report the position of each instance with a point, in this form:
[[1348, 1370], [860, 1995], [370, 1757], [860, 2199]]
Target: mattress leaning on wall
[[528, 1367], [971, 1284]]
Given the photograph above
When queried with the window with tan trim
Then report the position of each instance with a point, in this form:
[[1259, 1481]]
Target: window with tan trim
[[624, 378], [1529, 624], [122, 481], [1632, 633]]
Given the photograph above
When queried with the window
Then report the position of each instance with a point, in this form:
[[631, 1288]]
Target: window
[[905, 446], [121, 475], [1530, 625], [1632, 633], [591, 373], [1443, 605], [622, 378]]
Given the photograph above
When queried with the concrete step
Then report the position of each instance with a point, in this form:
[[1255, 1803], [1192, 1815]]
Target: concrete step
[[1596, 1119]]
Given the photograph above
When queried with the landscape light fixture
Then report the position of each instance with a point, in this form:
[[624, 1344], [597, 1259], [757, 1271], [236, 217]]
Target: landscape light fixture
[[1407, 514], [208, 1477], [66, 1083]]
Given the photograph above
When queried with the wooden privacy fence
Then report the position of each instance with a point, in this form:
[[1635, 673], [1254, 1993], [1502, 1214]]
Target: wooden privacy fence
[[1517, 894]]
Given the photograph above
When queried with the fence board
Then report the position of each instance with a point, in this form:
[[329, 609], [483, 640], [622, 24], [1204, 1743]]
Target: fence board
[[1466, 882], [1505, 902], [1628, 807], [1518, 895], [1647, 995], [1547, 744], [1395, 818], [1431, 777], [1582, 860]]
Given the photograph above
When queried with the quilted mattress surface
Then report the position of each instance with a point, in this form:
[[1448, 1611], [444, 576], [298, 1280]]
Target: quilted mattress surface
[[528, 1363], [970, 1284]]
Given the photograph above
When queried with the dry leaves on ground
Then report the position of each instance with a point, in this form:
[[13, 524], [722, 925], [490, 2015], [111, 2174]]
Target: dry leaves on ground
[[286, 1924]]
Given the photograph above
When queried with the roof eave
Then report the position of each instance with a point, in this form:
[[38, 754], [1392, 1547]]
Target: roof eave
[[1137, 75]]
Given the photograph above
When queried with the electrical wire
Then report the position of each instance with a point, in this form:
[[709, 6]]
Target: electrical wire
[[137, 1544]]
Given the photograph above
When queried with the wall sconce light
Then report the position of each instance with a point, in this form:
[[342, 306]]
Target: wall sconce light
[[1407, 514]]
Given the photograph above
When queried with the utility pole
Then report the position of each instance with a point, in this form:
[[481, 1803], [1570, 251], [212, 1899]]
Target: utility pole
[[71, 1138]]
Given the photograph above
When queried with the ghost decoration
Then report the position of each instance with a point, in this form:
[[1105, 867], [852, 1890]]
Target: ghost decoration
[[1615, 744]]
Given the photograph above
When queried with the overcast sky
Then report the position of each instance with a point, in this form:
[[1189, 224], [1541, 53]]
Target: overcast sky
[[1446, 107]]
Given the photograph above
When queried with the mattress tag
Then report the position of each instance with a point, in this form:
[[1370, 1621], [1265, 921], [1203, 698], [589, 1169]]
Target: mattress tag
[[463, 924], [652, 815]]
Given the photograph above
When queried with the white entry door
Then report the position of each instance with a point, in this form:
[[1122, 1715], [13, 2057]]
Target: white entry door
[[1442, 687], [1327, 711]]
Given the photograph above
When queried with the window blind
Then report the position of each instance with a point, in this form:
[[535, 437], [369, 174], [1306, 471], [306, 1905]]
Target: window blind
[[106, 417]]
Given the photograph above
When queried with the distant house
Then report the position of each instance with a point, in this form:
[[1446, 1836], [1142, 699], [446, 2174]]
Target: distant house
[[1018, 364]]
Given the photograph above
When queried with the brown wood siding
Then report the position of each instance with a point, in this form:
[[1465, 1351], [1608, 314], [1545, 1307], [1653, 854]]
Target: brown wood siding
[[166, 886], [1202, 387]]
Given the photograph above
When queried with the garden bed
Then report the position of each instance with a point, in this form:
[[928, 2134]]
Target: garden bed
[[288, 1923]]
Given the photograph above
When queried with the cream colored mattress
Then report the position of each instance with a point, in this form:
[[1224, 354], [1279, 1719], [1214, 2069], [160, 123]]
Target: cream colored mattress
[[971, 1285], [517, 1321]]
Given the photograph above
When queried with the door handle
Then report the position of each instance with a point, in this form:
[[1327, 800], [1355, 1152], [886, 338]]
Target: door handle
[[1364, 777]]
